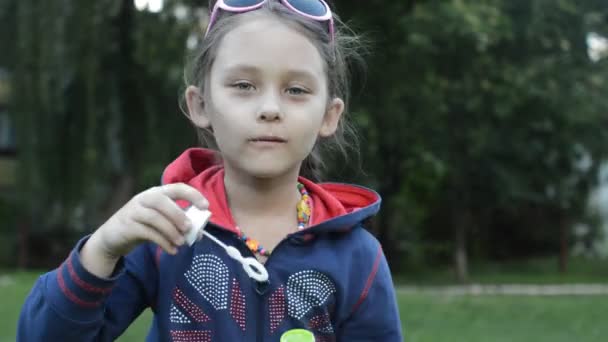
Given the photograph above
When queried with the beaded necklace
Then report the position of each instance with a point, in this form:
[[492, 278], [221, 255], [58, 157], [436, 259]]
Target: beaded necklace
[[303, 208]]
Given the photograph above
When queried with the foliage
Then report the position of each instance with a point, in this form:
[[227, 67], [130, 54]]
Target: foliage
[[96, 104], [484, 122], [481, 113]]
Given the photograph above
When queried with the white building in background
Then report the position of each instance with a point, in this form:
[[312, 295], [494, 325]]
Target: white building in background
[[597, 46], [599, 204], [153, 6]]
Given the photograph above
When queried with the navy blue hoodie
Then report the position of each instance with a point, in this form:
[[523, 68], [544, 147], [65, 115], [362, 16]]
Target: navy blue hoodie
[[331, 278]]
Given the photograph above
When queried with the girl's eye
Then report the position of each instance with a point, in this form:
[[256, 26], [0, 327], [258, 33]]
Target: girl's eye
[[243, 86], [296, 91]]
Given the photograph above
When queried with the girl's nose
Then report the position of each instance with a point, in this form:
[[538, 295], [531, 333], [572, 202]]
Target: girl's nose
[[270, 109]]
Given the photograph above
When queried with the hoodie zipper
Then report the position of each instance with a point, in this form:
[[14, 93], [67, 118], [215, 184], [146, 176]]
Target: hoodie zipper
[[260, 320], [262, 288], [262, 292]]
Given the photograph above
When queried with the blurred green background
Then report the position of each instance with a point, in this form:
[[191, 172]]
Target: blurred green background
[[483, 125]]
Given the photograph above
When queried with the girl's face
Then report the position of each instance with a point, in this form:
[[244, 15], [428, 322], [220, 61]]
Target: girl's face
[[266, 99]]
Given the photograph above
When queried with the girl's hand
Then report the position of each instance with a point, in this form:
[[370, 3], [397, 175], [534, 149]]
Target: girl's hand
[[152, 216]]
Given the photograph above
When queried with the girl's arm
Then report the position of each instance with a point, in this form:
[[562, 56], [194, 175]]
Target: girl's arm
[[72, 304], [98, 301], [375, 315]]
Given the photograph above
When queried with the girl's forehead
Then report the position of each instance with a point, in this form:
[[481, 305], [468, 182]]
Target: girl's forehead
[[264, 42]]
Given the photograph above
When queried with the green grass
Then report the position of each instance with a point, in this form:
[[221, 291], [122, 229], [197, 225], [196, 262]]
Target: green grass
[[139, 329], [13, 290], [424, 318], [498, 319]]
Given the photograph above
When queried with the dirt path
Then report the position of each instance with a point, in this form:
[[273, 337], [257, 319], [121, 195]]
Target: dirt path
[[509, 290]]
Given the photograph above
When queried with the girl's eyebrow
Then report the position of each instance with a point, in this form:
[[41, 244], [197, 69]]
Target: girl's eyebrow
[[251, 69], [242, 68], [302, 74]]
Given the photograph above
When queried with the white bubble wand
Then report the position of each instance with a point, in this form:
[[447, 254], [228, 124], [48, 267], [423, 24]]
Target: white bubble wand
[[199, 219]]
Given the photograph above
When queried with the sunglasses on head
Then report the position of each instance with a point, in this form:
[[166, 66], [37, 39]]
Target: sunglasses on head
[[313, 9]]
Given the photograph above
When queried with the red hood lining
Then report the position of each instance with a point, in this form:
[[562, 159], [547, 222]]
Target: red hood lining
[[201, 169]]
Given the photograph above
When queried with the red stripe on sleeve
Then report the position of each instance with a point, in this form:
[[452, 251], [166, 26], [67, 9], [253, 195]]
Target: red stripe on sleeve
[[71, 296], [370, 280], [83, 284]]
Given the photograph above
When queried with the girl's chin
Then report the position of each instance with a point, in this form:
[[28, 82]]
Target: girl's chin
[[268, 173], [269, 170], [265, 166]]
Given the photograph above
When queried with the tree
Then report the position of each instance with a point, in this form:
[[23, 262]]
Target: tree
[[95, 106], [477, 116], [494, 101]]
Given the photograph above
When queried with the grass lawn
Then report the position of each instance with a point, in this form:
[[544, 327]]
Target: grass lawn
[[424, 318], [498, 319]]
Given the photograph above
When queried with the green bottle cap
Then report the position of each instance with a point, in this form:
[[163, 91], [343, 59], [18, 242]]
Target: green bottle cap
[[298, 335]]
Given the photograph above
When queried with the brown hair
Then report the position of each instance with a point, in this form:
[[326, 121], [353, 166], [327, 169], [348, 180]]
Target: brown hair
[[340, 55]]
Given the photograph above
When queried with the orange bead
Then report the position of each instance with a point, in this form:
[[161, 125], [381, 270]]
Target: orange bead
[[252, 244]]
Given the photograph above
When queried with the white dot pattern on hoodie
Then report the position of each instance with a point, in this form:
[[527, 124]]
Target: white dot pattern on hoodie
[[209, 276], [306, 290], [177, 316]]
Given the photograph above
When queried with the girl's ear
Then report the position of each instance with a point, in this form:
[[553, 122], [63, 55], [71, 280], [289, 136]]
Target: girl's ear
[[196, 107], [332, 117]]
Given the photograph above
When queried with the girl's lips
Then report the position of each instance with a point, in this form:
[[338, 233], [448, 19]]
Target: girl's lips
[[267, 142], [268, 139]]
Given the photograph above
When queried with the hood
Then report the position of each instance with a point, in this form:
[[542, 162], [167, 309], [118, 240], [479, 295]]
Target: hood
[[336, 207]]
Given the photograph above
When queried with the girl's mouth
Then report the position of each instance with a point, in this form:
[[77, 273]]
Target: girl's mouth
[[268, 139]]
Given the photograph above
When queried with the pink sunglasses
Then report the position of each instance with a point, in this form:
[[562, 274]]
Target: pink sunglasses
[[313, 9]]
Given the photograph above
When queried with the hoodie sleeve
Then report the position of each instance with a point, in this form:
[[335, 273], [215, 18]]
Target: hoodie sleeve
[[375, 315], [71, 304]]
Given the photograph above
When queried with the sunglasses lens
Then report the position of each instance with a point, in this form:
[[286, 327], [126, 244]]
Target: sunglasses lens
[[313, 8], [242, 3]]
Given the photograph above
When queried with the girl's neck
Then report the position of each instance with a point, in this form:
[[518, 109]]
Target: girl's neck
[[250, 196]]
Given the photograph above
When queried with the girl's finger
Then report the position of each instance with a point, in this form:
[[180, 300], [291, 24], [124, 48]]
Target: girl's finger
[[167, 207], [181, 191], [148, 233], [157, 221]]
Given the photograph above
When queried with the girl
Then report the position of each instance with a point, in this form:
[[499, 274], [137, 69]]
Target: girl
[[267, 91]]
